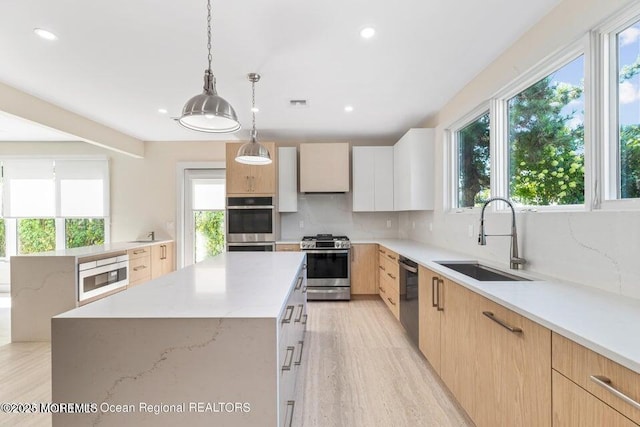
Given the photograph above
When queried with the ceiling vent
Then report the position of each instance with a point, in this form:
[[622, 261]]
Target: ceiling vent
[[298, 103]]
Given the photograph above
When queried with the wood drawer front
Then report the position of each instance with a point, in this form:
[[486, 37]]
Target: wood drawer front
[[139, 269], [389, 269], [578, 363], [573, 406], [388, 253], [391, 298], [390, 284], [144, 251]]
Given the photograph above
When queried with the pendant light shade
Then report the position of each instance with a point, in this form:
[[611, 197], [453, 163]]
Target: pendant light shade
[[209, 112], [253, 153]]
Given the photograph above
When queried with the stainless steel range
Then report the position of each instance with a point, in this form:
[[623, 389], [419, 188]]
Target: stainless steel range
[[328, 267]]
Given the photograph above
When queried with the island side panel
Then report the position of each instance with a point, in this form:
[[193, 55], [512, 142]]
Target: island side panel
[[41, 287], [166, 361]]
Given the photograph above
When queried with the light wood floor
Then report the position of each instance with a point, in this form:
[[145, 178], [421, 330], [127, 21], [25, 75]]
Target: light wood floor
[[361, 370]]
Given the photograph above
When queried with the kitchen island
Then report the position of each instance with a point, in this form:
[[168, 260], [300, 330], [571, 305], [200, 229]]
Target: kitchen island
[[216, 343]]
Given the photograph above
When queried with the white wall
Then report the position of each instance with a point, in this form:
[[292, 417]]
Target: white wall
[[598, 249]]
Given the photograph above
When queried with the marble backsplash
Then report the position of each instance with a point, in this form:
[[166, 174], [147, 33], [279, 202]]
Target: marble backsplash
[[598, 249], [332, 213]]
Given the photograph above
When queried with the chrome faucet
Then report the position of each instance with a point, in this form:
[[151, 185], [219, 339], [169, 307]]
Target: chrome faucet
[[515, 260], [152, 235]]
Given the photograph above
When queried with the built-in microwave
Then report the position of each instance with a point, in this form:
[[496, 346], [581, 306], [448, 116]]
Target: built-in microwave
[[251, 219], [103, 275]]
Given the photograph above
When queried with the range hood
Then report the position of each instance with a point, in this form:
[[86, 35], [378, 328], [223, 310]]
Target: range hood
[[324, 167]]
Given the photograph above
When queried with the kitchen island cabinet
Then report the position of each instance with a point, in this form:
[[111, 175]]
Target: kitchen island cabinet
[[215, 333]]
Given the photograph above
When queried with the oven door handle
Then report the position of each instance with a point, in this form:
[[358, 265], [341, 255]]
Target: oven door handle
[[407, 267], [252, 207], [327, 251]]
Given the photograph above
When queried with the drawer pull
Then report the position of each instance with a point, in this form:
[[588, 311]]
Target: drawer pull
[[288, 314], [440, 306], [140, 267], [605, 383], [381, 289], [288, 422], [502, 323], [392, 276], [300, 279], [139, 251], [304, 319], [288, 357], [391, 301], [304, 289], [299, 361], [381, 268], [392, 257], [381, 251], [434, 291], [300, 314]]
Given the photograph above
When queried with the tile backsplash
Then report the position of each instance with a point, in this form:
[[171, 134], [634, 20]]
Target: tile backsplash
[[332, 213]]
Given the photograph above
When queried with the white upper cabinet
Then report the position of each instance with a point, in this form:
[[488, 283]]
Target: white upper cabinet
[[324, 168], [413, 173], [372, 179], [287, 179]]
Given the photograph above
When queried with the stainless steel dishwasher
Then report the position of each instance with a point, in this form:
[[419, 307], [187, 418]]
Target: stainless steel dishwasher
[[409, 297]]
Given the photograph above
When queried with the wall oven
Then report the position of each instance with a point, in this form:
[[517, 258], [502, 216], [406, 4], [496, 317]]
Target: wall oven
[[251, 219], [251, 247], [102, 275], [328, 267]]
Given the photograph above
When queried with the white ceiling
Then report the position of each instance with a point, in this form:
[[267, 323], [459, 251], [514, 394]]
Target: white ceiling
[[118, 61], [13, 128]]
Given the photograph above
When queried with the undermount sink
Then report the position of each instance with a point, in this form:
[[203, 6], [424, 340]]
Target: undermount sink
[[481, 272]]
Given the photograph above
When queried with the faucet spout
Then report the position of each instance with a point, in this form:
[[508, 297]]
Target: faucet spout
[[152, 235], [514, 260]]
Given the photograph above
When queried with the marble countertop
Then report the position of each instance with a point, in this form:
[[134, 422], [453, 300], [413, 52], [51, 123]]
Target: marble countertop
[[85, 251], [601, 321], [230, 285]]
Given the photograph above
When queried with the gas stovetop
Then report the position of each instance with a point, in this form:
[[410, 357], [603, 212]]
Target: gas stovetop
[[325, 241]]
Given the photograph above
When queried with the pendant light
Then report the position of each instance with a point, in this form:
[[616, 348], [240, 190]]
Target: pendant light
[[209, 112], [253, 153]]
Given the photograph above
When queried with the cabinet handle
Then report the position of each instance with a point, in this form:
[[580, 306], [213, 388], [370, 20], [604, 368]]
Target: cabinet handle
[[502, 323], [300, 314], [299, 283], [304, 289], [289, 357], [253, 184], [440, 307], [392, 257], [391, 301], [381, 251], [605, 383], [299, 361], [290, 404], [391, 275], [288, 314], [381, 289], [434, 292], [246, 184], [381, 268], [140, 267], [163, 253], [139, 251], [304, 319]]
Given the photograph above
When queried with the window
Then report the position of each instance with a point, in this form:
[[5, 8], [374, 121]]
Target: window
[[546, 139], [50, 204], [473, 165], [628, 120]]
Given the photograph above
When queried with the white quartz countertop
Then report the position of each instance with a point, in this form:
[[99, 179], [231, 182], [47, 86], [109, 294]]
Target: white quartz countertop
[[230, 285], [85, 251], [604, 322]]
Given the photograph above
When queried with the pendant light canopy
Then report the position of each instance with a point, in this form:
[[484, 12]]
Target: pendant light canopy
[[209, 112], [253, 153]]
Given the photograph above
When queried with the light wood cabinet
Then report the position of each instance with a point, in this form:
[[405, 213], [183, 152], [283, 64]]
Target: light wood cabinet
[[162, 259], [430, 313], [139, 265], [372, 179], [413, 176], [388, 279], [250, 179], [364, 269], [287, 179], [287, 247], [575, 407], [324, 167], [580, 364], [513, 377]]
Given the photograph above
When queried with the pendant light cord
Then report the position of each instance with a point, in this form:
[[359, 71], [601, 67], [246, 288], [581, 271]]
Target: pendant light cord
[[209, 32], [253, 105]]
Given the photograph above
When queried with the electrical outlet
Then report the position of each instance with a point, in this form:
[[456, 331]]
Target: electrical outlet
[[301, 224], [470, 230], [388, 223]]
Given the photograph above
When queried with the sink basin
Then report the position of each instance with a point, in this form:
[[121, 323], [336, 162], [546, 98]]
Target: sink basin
[[481, 272]]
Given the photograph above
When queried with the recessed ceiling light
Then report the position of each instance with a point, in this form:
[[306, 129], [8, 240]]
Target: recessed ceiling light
[[367, 32], [47, 35], [255, 110], [162, 110], [348, 108]]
